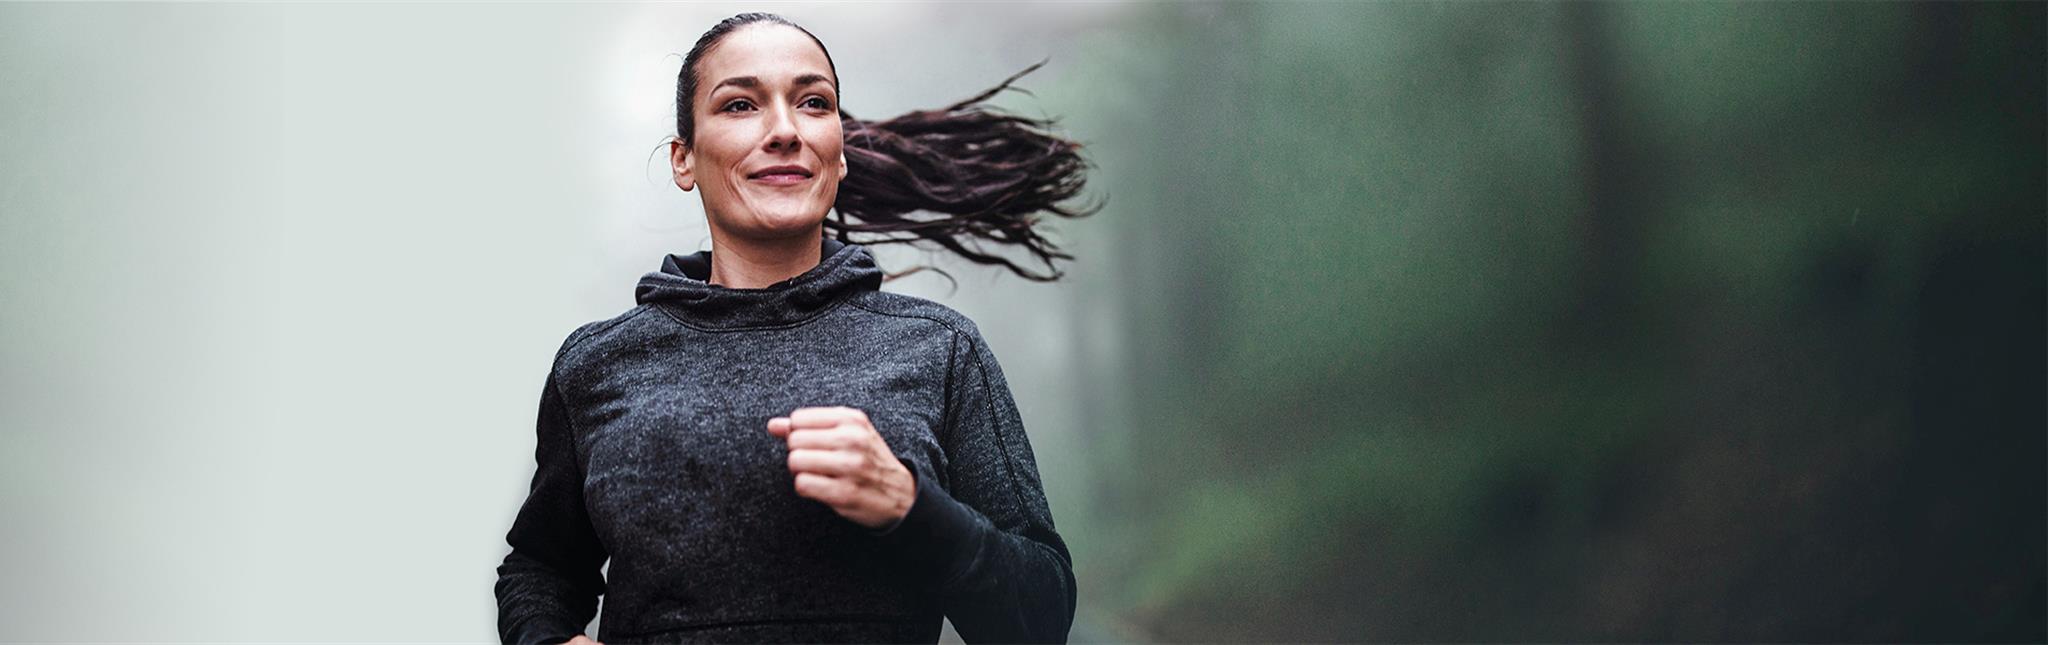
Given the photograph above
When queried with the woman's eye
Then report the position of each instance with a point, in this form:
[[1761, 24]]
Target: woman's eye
[[819, 102], [735, 102]]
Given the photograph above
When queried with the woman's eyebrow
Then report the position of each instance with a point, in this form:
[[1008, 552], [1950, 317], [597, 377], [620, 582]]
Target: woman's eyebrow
[[751, 82], [809, 79]]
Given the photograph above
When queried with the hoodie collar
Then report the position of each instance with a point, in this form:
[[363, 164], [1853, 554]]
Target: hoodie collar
[[681, 288]]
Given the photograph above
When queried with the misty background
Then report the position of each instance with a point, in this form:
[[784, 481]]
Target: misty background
[[1415, 321]]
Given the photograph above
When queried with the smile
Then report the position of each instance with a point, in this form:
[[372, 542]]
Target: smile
[[780, 179], [783, 175]]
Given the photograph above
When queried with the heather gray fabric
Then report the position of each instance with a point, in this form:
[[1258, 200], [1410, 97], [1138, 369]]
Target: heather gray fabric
[[652, 450]]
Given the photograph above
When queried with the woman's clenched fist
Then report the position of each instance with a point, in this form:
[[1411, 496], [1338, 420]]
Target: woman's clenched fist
[[838, 458]]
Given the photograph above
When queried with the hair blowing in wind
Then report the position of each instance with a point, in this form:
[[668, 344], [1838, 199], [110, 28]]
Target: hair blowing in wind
[[988, 175]]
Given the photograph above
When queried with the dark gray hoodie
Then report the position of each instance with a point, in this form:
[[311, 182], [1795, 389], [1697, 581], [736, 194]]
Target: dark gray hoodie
[[653, 451]]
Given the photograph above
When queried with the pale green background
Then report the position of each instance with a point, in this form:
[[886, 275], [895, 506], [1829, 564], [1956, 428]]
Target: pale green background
[[282, 282]]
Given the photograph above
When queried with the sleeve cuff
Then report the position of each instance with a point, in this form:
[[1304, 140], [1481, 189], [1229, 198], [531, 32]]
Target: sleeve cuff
[[938, 536], [543, 631]]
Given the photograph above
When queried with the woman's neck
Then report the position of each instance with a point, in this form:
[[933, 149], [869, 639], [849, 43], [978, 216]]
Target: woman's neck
[[738, 263]]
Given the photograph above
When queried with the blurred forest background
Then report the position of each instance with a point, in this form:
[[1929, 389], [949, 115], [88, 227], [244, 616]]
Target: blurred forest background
[[1573, 321], [1405, 321]]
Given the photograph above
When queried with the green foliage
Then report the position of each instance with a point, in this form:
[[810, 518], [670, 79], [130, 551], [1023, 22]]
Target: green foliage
[[1481, 321]]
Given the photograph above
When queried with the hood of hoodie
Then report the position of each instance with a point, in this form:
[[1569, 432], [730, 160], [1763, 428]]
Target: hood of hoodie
[[681, 287]]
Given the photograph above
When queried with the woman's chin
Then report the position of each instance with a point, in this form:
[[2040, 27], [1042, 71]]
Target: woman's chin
[[783, 225]]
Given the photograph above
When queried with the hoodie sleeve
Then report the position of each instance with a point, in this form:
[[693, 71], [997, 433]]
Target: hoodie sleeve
[[549, 584], [987, 546]]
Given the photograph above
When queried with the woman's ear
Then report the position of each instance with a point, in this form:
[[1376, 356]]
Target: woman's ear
[[679, 162], [842, 165]]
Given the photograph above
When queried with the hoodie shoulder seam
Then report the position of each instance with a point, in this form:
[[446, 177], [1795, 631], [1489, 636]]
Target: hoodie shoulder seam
[[603, 326], [941, 321]]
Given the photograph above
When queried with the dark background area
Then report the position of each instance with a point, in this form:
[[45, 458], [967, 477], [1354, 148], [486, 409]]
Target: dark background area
[[1578, 321]]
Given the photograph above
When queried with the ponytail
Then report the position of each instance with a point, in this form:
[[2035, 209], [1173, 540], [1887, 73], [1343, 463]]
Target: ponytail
[[984, 175]]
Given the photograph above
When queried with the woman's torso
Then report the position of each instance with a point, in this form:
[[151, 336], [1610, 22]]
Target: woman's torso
[[693, 498]]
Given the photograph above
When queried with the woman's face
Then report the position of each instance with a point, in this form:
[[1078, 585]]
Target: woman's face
[[769, 152]]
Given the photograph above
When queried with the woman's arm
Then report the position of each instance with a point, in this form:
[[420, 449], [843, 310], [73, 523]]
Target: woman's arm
[[549, 584], [988, 546]]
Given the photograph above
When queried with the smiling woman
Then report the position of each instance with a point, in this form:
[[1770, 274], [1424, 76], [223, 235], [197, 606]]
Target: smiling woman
[[770, 153], [768, 447]]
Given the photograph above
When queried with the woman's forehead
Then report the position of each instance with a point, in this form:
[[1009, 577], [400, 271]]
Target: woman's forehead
[[771, 54]]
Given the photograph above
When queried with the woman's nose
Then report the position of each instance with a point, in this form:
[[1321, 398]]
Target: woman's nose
[[782, 134]]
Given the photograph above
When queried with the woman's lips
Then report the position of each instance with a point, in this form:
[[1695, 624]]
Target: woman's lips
[[781, 179]]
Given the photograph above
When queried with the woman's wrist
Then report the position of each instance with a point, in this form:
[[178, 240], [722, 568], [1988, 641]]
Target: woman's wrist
[[908, 505], [939, 537]]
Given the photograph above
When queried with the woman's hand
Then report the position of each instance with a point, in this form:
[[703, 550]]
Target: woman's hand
[[840, 459], [582, 640]]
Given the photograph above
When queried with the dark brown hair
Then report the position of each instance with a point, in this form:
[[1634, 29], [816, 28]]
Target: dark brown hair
[[959, 176]]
